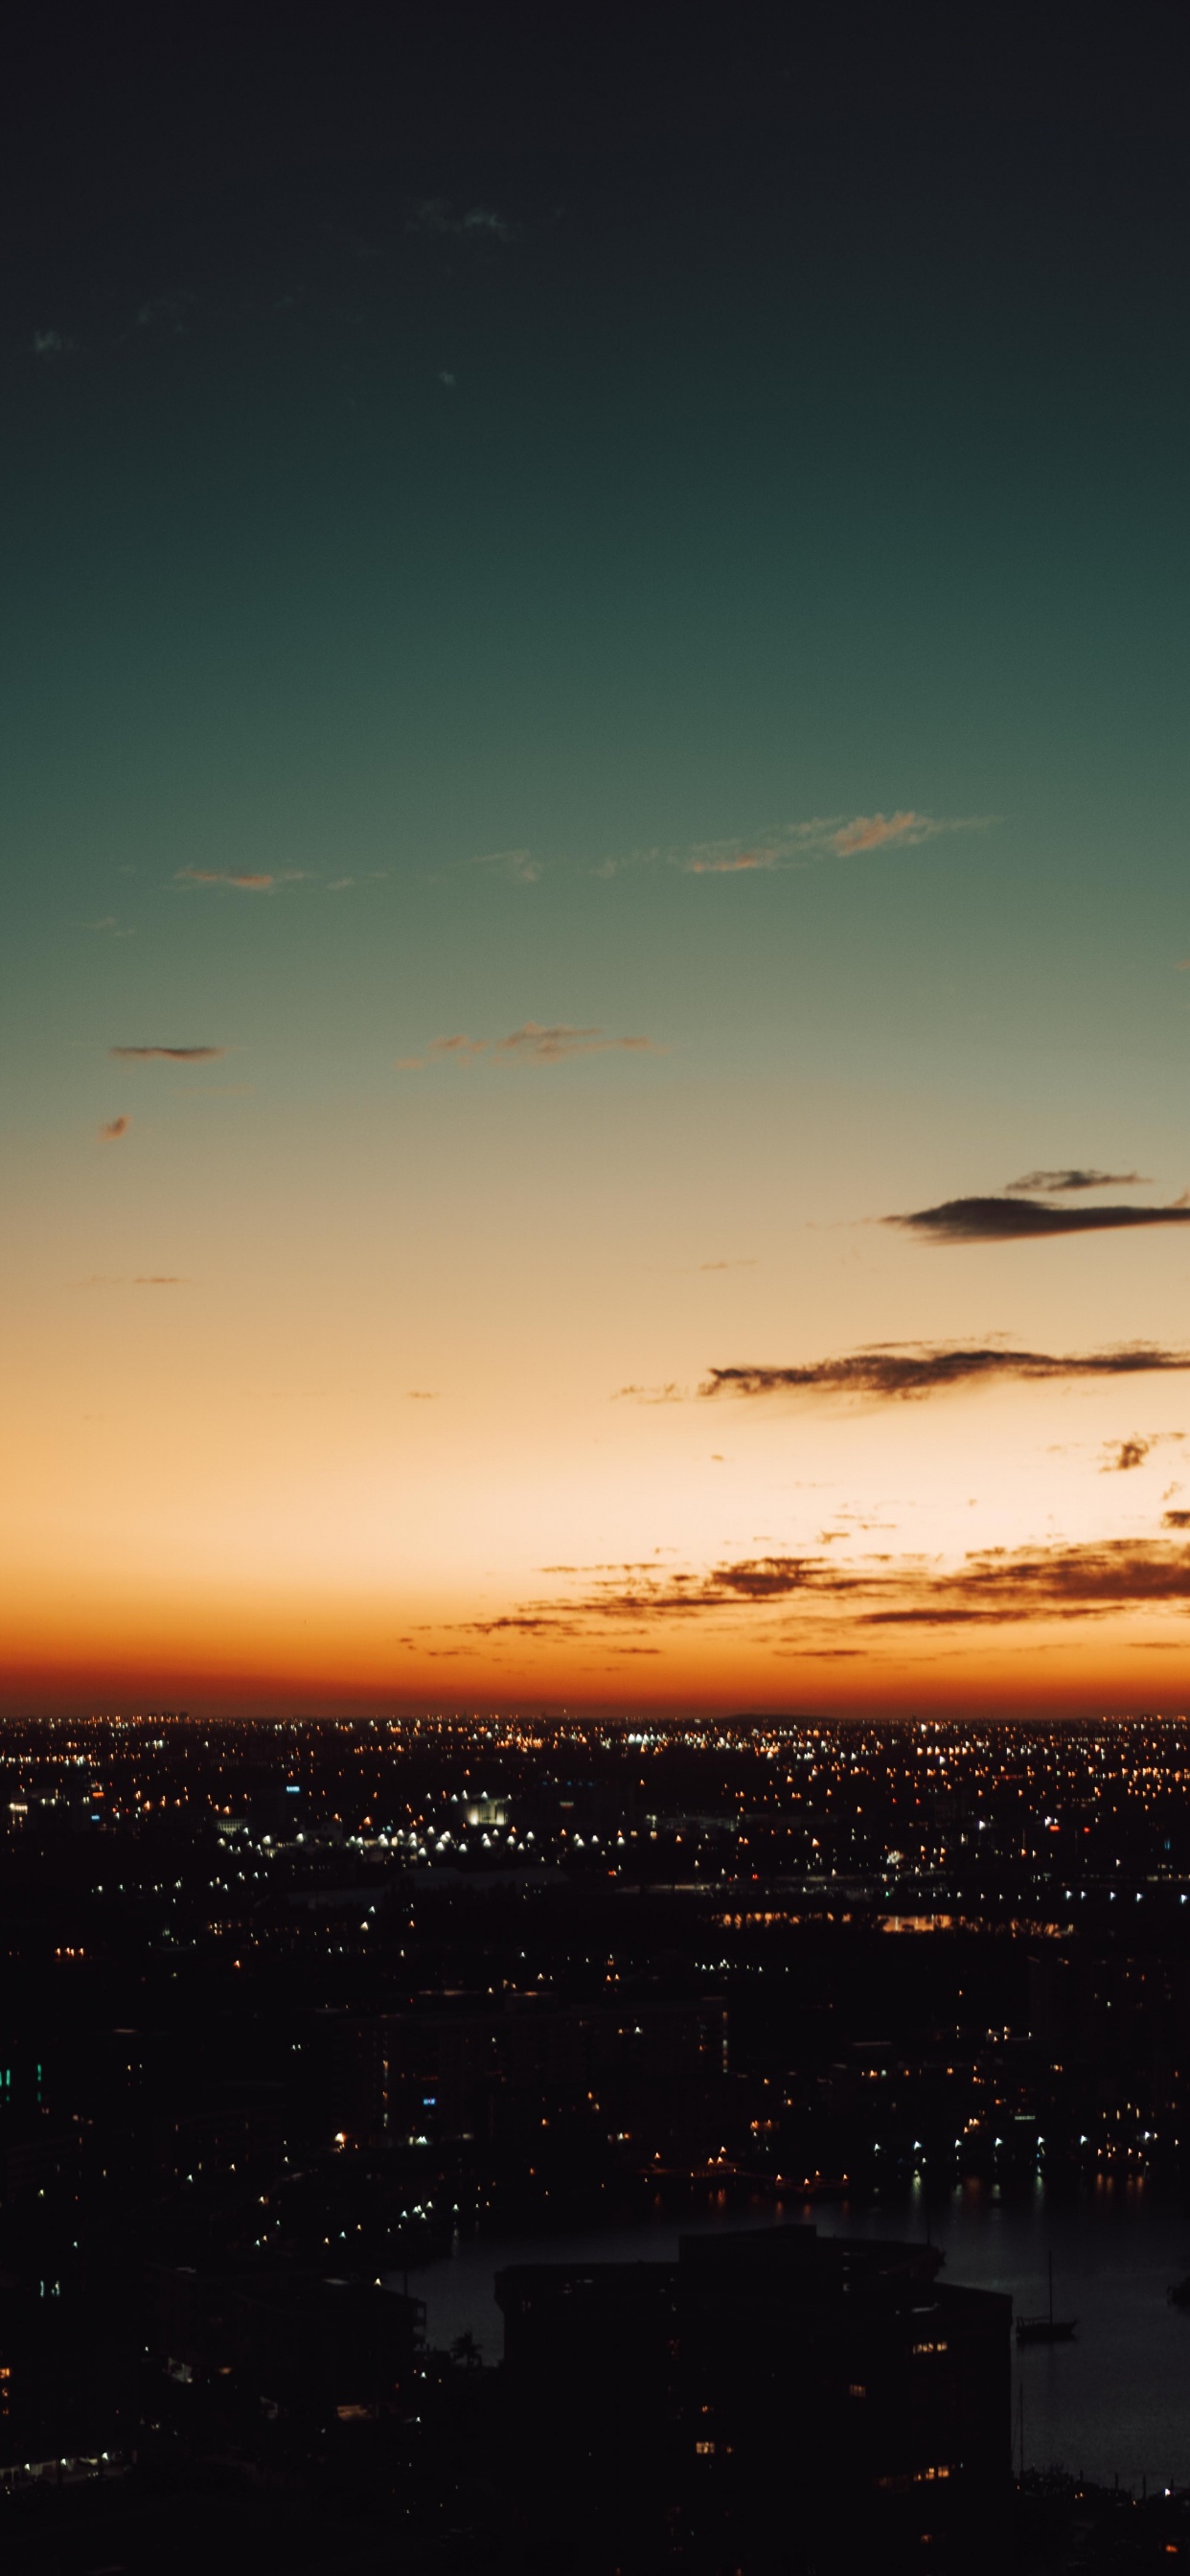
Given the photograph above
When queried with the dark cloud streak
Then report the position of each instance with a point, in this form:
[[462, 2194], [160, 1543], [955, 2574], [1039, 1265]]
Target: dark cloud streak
[[168, 1054], [928, 1369], [1006, 1220], [1079, 1180], [989, 1587]]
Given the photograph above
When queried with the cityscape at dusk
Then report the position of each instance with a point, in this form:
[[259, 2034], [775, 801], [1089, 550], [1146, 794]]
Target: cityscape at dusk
[[595, 1668]]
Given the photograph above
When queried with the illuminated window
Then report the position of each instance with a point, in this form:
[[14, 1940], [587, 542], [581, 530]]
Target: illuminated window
[[900, 2482], [704, 2449], [856, 2388]]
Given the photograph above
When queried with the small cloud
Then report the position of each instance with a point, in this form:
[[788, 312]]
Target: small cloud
[[245, 880], [800, 845], [445, 378], [727, 1265], [459, 1045], [671, 1394], [1121, 1455], [725, 860], [436, 217], [422, 1394], [114, 1129], [339, 885], [921, 1369], [162, 312], [1079, 1180], [535, 1044], [159, 1279], [532, 1044], [169, 1054], [1005, 1220], [518, 865], [875, 831], [50, 344], [1124, 1455], [460, 1049], [109, 925]]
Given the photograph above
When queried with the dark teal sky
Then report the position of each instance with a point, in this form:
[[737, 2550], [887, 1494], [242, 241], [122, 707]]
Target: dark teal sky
[[828, 493]]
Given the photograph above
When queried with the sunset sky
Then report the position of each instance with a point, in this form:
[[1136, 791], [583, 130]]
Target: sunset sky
[[595, 841]]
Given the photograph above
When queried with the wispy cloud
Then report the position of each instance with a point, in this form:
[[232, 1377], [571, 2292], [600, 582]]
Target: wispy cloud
[[159, 1279], [775, 846], [992, 1586], [1006, 1220], [726, 860], [109, 924], [243, 880], [437, 217], [921, 1369], [1079, 1180], [534, 1043], [422, 1394], [823, 836], [167, 312], [114, 1128], [168, 1054], [1070, 1582], [876, 831], [460, 1049], [637, 1595], [519, 865], [749, 1264], [671, 1394]]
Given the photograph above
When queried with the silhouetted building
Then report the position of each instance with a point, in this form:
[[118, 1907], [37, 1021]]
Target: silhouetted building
[[774, 2401], [297, 2345]]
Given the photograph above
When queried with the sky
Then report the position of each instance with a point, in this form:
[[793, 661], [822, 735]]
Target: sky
[[597, 957]]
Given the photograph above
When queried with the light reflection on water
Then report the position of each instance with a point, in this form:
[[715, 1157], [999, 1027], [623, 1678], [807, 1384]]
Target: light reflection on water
[[1117, 2401]]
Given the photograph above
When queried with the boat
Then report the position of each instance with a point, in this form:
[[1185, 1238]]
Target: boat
[[1048, 2328]]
